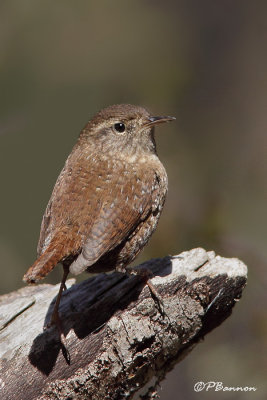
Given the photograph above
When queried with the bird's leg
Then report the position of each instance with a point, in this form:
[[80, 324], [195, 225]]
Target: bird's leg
[[147, 274], [55, 319]]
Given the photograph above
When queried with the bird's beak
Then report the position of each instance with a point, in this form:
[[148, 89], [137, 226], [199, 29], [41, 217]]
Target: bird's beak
[[158, 120]]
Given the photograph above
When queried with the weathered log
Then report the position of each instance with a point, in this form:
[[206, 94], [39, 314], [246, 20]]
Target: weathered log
[[121, 340]]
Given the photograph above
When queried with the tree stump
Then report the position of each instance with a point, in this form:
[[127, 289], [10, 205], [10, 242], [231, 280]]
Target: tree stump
[[120, 339]]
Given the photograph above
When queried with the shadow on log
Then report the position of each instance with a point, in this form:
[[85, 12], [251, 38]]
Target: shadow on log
[[120, 342]]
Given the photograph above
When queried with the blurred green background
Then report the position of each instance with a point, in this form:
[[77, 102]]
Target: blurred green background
[[204, 62]]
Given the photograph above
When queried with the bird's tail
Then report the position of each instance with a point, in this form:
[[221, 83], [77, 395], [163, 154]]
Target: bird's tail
[[44, 264]]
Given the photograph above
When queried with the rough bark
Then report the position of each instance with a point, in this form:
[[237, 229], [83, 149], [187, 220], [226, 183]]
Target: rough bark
[[120, 339]]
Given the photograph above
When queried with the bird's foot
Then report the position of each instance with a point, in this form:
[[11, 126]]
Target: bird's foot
[[56, 321], [147, 274]]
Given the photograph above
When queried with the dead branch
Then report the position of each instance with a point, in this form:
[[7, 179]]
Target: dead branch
[[120, 339]]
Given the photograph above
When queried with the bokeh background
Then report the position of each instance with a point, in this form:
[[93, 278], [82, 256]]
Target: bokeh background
[[204, 62]]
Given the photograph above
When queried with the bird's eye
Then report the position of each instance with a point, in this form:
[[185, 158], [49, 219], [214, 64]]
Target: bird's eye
[[119, 127]]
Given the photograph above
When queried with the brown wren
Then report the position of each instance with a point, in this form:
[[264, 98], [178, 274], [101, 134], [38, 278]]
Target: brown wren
[[107, 199]]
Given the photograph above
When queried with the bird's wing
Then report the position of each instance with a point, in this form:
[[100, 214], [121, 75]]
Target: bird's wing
[[92, 211], [44, 232], [124, 207]]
